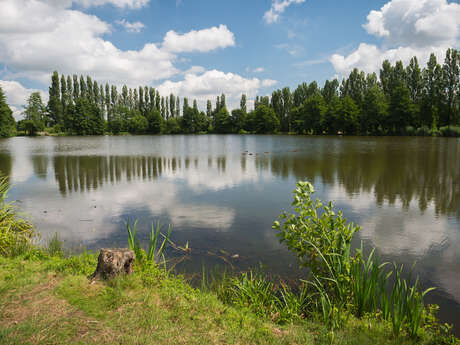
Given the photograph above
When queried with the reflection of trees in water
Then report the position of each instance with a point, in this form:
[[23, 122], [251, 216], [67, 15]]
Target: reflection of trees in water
[[40, 165], [425, 172], [401, 169], [5, 165], [80, 173]]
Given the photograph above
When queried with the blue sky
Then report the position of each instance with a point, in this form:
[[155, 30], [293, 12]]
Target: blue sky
[[202, 48]]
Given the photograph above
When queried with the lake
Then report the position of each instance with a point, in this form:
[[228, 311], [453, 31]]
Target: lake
[[221, 193]]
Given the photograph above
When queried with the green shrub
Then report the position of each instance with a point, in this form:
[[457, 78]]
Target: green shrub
[[450, 131]]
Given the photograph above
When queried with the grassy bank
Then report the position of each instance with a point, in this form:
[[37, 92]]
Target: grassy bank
[[46, 296], [49, 300]]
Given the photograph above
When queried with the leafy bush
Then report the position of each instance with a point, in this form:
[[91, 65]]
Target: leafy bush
[[319, 237], [450, 131], [346, 283]]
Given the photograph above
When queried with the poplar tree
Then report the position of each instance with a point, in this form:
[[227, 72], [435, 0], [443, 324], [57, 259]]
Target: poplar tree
[[141, 99], [157, 101], [177, 107], [172, 105], [83, 90], [209, 108], [54, 102], [242, 103], [152, 98], [89, 88], [76, 88]]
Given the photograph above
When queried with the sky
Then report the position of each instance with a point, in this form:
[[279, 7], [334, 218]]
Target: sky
[[202, 48]]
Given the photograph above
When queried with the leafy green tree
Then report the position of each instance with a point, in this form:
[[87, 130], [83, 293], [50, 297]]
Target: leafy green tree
[[222, 121], [354, 86], [401, 109], [83, 89], [76, 88], [177, 106], [54, 102], [89, 88], [7, 122], [243, 102], [330, 90], [386, 73], [34, 114], [239, 118], [375, 111], [209, 108], [173, 126], [156, 123], [87, 118], [308, 117], [265, 120], [172, 105], [332, 115], [349, 116], [451, 78], [138, 124]]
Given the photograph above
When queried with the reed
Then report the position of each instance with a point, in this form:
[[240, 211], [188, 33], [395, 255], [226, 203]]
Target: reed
[[156, 245], [16, 233]]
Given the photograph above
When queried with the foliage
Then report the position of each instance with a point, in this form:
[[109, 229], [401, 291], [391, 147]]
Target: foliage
[[55, 246], [7, 123], [364, 104], [15, 232], [346, 283], [316, 229], [450, 131]]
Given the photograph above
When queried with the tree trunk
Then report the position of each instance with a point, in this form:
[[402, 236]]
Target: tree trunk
[[112, 262]]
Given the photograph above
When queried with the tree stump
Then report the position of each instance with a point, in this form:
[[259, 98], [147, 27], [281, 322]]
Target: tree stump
[[112, 262]]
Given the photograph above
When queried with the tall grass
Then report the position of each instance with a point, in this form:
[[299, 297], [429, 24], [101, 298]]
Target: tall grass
[[15, 232], [156, 246]]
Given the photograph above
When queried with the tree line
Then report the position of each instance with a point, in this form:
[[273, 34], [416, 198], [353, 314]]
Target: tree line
[[401, 100]]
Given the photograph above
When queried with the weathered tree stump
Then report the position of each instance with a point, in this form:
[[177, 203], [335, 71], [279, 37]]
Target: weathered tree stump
[[112, 262]]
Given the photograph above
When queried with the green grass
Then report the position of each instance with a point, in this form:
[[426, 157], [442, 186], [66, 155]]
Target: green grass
[[50, 300]]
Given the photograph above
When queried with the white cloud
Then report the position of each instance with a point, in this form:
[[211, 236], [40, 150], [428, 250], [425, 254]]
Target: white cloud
[[36, 38], [117, 3], [408, 28], [278, 7], [195, 70], [16, 95], [199, 40], [213, 83], [258, 70], [130, 27]]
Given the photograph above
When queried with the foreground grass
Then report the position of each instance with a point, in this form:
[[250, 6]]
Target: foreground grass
[[50, 300]]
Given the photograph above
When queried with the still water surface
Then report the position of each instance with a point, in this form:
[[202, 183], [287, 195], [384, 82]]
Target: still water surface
[[224, 192]]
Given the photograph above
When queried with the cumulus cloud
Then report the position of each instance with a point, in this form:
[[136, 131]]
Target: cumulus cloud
[[407, 28], [212, 83], [258, 70], [199, 40], [130, 27], [37, 38], [278, 7], [40, 36]]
